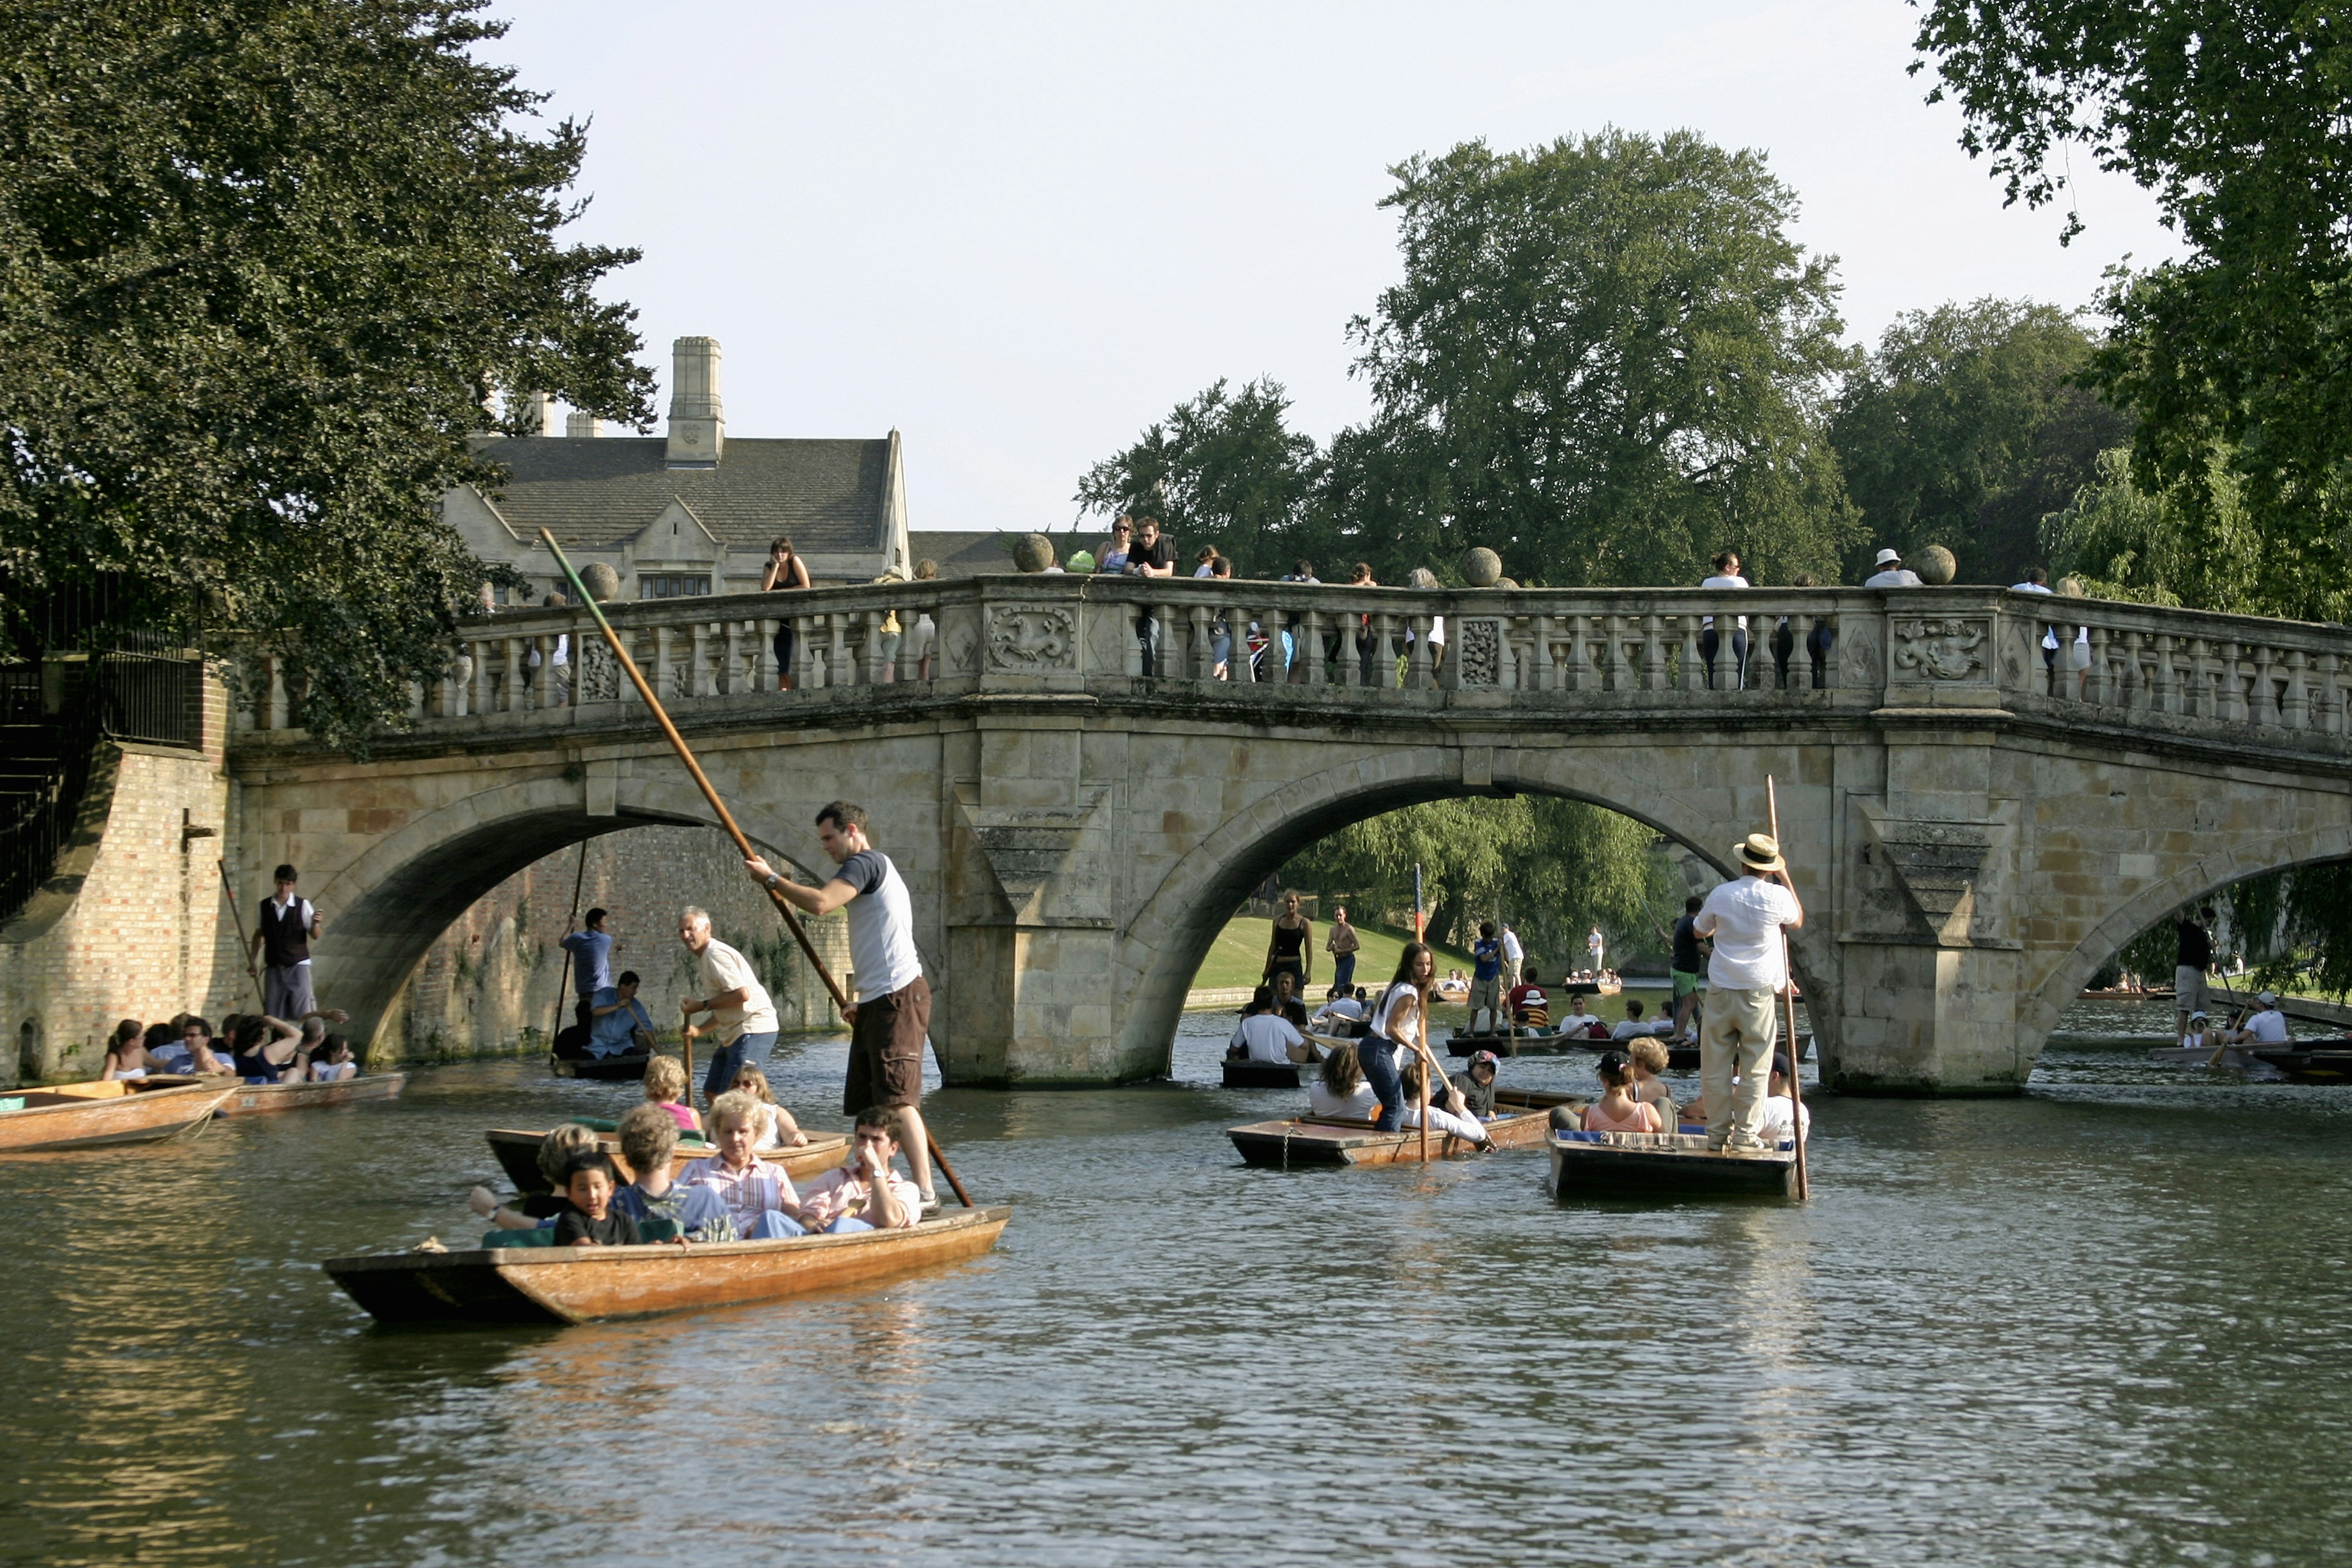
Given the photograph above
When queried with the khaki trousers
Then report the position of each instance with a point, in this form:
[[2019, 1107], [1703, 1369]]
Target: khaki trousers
[[1738, 1037]]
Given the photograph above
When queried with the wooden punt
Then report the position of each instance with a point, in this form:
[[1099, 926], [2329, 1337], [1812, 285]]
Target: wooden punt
[[592, 1284], [2158, 994], [2310, 1061], [1247, 1074], [628, 1067], [89, 1115], [517, 1155], [253, 1099], [1352, 1140], [2229, 1056], [1663, 1165], [1679, 1058]]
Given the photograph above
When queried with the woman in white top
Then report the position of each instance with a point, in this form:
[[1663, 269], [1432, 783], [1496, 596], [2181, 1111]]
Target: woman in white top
[[1400, 1024], [1726, 575], [1339, 1089]]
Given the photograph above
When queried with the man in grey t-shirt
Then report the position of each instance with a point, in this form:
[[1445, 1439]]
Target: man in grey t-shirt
[[891, 1018]]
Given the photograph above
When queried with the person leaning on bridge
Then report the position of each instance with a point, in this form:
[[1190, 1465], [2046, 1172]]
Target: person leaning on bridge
[[740, 1013], [1744, 979], [282, 935], [1892, 573], [892, 1016]]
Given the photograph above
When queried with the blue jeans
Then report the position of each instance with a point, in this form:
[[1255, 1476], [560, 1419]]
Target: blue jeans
[[1379, 1057], [774, 1227], [727, 1059], [1343, 971], [1710, 641]]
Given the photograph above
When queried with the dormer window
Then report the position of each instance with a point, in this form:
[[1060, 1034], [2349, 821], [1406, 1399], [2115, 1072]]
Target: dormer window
[[672, 584]]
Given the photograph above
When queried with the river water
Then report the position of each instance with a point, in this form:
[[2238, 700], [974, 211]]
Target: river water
[[2099, 1323]]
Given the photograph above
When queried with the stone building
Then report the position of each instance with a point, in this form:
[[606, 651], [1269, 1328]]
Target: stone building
[[691, 511]]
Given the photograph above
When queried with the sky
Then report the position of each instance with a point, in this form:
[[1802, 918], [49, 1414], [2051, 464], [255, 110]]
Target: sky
[[1018, 233]]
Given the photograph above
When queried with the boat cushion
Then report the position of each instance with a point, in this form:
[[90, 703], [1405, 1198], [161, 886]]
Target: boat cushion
[[598, 1124], [657, 1230], [542, 1236]]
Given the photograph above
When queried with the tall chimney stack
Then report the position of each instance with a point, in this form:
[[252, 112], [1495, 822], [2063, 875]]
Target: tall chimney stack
[[697, 428], [539, 413], [578, 424]]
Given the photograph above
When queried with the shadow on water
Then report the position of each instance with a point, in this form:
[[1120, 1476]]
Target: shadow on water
[[2095, 1323]]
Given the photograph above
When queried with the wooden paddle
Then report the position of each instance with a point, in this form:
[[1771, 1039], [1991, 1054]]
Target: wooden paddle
[[244, 947], [1788, 996], [726, 821]]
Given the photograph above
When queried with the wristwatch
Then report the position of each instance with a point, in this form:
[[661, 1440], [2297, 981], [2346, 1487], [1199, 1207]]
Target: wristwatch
[[774, 879]]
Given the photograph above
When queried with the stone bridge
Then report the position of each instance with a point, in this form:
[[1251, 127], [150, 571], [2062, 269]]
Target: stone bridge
[[1976, 822]]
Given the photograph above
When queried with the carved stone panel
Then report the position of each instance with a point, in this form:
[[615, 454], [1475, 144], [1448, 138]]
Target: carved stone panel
[[1032, 638], [600, 674], [1481, 652], [1930, 649]]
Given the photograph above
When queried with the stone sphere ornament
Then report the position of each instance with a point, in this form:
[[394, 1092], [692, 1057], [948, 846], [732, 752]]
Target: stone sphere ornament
[[1033, 552], [1936, 565], [1507, 583], [1482, 567], [603, 583]]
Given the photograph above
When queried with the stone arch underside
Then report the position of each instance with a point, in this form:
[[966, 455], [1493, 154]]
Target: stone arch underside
[[2197, 879], [1183, 914], [391, 903]]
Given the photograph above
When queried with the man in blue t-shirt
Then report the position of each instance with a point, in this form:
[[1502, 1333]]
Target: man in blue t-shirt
[[1486, 978], [614, 1015], [591, 961]]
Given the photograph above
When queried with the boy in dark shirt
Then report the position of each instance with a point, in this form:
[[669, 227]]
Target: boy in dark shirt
[[588, 1218]]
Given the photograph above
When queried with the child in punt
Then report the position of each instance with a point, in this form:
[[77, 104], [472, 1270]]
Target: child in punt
[[588, 1218]]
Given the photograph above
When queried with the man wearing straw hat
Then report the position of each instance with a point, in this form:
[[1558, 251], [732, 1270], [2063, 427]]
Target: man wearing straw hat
[[1744, 979]]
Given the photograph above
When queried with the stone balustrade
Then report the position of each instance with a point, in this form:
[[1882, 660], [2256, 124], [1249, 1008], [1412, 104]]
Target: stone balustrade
[[2076, 661]]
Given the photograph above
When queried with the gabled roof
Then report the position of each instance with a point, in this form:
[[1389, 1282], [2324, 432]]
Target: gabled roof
[[962, 553], [829, 495]]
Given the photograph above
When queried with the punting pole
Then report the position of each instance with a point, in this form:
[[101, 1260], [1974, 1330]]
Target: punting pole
[[564, 977], [726, 820], [1788, 996], [244, 947]]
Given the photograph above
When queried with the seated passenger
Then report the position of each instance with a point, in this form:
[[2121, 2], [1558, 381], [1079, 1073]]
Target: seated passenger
[[863, 1192], [1341, 1089], [1526, 1004], [1617, 1111], [1635, 1025], [196, 1049], [665, 1083], [1454, 987], [556, 1149], [1287, 1002], [126, 1054], [1477, 1084], [1780, 1113], [649, 1139], [2201, 1035], [615, 1018], [1341, 1014], [333, 1062], [1582, 1020], [1448, 1115], [759, 1196], [263, 1049], [1264, 1035], [588, 1218], [777, 1128], [2267, 1026], [1649, 1058]]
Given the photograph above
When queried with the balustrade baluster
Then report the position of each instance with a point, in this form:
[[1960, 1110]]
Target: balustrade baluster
[[870, 664], [1653, 653], [1384, 651], [2327, 698], [510, 689], [1828, 678], [763, 652], [664, 661], [2094, 674], [1419, 673], [1546, 668], [2294, 710], [1690, 674], [2263, 707], [1310, 646], [1237, 661], [2162, 688], [2233, 680], [840, 670]]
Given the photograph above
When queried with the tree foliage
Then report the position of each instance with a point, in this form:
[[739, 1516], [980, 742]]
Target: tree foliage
[[1552, 867], [2238, 115], [263, 264], [1222, 467], [1966, 428]]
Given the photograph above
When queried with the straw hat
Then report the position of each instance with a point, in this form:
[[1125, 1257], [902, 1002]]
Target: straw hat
[[1759, 851]]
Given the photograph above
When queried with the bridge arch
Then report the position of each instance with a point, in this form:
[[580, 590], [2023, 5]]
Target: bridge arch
[[2197, 879], [389, 905], [1182, 915]]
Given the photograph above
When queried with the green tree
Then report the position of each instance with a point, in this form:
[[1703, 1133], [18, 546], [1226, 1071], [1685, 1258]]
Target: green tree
[[1965, 428], [1551, 866], [2238, 115], [1608, 360], [1222, 469], [2191, 542], [263, 264]]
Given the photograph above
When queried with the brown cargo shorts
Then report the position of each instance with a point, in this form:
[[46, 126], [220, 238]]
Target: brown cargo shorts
[[885, 1048]]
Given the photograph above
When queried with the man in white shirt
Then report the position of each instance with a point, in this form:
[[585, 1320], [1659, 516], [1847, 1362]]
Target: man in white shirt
[[1782, 1112], [1581, 1020], [1596, 945], [2036, 581], [1892, 573], [1514, 955], [741, 1016], [1746, 918], [1342, 1010], [282, 935], [2266, 1027], [1264, 1035]]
